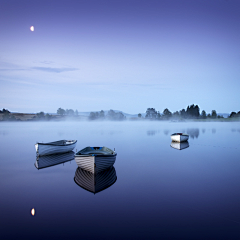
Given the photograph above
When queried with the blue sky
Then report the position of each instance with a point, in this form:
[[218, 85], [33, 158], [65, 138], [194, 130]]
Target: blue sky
[[124, 55]]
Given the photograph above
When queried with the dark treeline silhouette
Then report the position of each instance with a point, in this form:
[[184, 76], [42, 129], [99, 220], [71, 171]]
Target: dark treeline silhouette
[[111, 115], [234, 115], [6, 115], [191, 112], [4, 111]]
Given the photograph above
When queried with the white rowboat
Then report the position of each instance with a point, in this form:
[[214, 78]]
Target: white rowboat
[[179, 137], [61, 146], [95, 159]]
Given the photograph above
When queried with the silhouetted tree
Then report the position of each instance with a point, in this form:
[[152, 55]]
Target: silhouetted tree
[[176, 114], [76, 112], [69, 112], [214, 114], [7, 116], [92, 116], [233, 114], [102, 114], [193, 111], [111, 114], [48, 117], [119, 116], [40, 115], [61, 111], [203, 115], [139, 115], [151, 113], [5, 111], [183, 113], [166, 113], [158, 115], [115, 116]]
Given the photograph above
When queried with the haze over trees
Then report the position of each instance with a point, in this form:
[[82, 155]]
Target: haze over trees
[[111, 115], [191, 112], [69, 112]]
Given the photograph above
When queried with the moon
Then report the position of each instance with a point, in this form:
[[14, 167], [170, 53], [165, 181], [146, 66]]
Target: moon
[[32, 28], [33, 211]]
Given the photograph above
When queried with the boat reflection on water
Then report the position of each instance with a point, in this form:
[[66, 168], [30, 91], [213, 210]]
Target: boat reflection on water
[[54, 159], [95, 182], [179, 146]]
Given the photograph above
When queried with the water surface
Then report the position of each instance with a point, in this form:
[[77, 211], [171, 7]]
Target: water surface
[[159, 192]]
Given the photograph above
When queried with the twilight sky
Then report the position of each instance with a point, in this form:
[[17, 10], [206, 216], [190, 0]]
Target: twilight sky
[[119, 54]]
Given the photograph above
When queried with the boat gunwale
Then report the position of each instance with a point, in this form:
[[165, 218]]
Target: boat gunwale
[[60, 145], [179, 134], [95, 155], [95, 151]]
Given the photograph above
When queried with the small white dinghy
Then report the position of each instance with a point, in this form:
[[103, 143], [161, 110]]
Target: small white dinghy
[[95, 159], [179, 137], [61, 146]]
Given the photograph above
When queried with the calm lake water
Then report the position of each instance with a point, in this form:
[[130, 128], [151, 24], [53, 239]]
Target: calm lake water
[[160, 192]]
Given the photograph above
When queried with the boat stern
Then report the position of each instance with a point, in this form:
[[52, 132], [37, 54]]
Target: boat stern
[[36, 147]]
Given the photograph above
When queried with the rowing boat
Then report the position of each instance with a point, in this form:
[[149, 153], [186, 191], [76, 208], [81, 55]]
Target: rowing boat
[[61, 146], [179, 137], [95, 159]]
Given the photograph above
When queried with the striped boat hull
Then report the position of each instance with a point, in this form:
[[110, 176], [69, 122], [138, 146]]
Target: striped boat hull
[[95, 182], [95, 164], [52, 160]]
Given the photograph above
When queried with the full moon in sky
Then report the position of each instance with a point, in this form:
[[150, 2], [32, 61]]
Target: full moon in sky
[[32, 28]]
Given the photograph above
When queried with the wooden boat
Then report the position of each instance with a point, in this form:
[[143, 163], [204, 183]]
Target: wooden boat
[[54, 159], [61, 146], [179, 137], [95, 182], [180, 145], [95, 159]]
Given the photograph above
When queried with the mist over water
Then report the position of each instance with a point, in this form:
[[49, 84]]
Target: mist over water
[[156, 191]]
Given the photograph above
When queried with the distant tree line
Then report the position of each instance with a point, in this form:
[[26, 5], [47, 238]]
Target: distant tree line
[[42, 116], [70, 112], [6, 115], [234, 115], [111, 115], [191, 112], [4, 111]]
